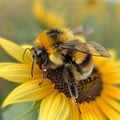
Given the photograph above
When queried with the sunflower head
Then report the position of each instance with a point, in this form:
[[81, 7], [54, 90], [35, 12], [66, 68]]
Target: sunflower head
[[98, 95]]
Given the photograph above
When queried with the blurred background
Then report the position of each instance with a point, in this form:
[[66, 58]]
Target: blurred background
[[21, 21]]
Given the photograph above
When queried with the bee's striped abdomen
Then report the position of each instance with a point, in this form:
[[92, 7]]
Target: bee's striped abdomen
[[83, 69]]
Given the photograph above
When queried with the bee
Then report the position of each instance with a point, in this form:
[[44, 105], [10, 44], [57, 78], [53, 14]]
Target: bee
[[54, 48]]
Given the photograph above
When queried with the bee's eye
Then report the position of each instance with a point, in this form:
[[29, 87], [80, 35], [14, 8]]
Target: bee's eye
[[39, 52]]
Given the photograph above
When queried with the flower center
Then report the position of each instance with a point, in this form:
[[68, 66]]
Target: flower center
[[88, 89]]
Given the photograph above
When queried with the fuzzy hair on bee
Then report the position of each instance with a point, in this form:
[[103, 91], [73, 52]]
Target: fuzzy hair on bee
[[54, 48], [58, 44]]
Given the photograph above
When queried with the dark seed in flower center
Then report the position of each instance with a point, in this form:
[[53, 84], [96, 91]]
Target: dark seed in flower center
[[88, 89]]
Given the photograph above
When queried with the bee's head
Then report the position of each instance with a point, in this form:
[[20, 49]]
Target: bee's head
[[39, 56]]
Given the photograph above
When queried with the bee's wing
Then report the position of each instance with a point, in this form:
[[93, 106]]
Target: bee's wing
[[82, 30], [92, 48]]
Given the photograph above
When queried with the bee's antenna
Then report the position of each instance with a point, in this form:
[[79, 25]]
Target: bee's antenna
[[25, 52], [33, 61]]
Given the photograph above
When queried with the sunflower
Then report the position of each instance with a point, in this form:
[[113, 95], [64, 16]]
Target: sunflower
[[48, 17], [98, 95]]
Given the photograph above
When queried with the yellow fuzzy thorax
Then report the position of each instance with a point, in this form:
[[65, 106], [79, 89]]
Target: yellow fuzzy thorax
[[45, 40]]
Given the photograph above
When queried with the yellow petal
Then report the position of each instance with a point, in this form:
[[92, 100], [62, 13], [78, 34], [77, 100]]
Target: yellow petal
[[26, 46], [94, 113], [15, 50], [54, 107], [4, 64], [74, 113], [107, 110], [96, 110], [19, 73], [111, 77], [29, 91], [86, 114], [111, 102], [112, 91], [49, 18]]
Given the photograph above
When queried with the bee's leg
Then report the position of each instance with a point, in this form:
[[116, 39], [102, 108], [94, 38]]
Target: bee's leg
[[70, 80], [44, 72], [73, 90], [72, 86], [74, 93], [44, 75]]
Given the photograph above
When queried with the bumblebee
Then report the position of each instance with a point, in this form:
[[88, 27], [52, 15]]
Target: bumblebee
[[63, 47]]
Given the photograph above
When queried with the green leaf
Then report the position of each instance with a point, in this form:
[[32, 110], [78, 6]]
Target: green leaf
[[21, 111], [35, 106]]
